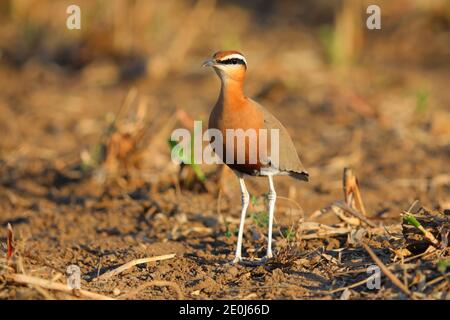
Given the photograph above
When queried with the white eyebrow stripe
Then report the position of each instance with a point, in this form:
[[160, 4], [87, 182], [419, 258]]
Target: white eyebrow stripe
[[234, 55]]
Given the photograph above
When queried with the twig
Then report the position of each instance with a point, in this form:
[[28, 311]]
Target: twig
[[392, 265], [413, 205], [387, 272], [352, 195], [355, 213], [47, 284], [356, 284], [129, 99], [320, 230], [131, 264], [423, 255], [344, 217], [435, 280], [10, 246]]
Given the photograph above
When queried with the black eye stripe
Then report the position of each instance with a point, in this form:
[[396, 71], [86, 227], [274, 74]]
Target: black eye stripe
[[232, 61]]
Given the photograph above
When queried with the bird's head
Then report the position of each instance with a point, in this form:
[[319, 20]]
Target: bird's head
[[228, 65]]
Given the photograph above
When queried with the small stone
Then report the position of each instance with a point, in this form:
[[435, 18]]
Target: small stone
[[195, 293], [233, 271]]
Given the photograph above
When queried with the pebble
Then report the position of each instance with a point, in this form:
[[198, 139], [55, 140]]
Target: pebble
[[233, 271]]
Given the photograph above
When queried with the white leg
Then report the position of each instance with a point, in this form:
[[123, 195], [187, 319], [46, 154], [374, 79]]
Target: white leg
[[245, 202], [272, 198]]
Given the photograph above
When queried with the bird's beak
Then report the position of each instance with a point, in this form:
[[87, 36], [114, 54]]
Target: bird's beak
[[209, 63]]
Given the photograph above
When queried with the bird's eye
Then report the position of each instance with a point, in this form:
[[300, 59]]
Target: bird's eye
[[232, 61]]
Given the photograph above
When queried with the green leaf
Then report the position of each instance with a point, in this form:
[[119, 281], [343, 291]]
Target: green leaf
[[289, 233], [184, 159], [261, 218], [422, 97], [198, 172], [442, 265], [410, 219]]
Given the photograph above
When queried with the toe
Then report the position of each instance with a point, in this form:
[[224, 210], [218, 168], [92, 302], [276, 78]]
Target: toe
[[237, 260]]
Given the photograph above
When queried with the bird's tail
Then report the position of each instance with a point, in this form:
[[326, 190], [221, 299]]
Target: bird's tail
[[303, 175]]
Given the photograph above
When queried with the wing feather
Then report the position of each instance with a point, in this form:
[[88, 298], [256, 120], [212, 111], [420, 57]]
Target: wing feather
[[289, 160]]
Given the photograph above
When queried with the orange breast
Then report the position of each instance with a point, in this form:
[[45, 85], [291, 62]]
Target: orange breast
[[239, 114]]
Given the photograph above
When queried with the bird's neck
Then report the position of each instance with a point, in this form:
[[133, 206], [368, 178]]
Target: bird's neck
[[231, 92]]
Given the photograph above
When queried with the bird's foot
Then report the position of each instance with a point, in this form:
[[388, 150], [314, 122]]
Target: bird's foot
[[267, 257], [258, 262], [237, 260]]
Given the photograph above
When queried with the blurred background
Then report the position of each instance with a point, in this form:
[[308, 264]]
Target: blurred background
[[80, 106]]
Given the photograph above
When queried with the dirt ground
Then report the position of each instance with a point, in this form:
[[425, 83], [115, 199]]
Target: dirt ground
[[387, 117]]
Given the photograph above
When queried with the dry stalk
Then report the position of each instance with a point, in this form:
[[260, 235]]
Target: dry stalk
[[122, 143], [344, 217], [131, 264], [10, 247], [387, 272], [320, 231], [355, 213], [353, 285], [48, 284], [352, 194], [436, 280]]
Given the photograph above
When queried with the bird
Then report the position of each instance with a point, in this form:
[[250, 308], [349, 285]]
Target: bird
[[233, 110]]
